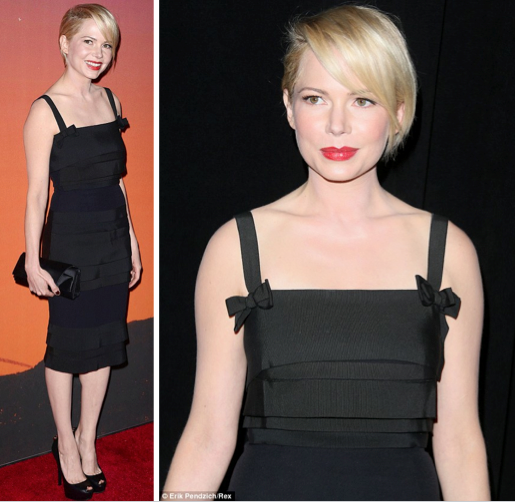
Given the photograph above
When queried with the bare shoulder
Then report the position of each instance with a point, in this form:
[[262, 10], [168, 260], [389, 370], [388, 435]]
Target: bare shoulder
[[222, 260], [40, 111], [224, 239], [458, 241], [41, 119], [461, 261]]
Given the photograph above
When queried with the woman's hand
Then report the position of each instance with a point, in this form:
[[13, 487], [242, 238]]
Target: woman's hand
[[136, 266], [41, 282]]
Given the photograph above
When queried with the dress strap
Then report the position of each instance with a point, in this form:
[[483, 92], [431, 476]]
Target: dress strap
[[57, 115], [122, 123], [111, 101], [249, 250], [437, 239]]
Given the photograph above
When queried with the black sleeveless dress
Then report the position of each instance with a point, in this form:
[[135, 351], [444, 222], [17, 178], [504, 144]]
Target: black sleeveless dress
[[341, 385], [87, 226]]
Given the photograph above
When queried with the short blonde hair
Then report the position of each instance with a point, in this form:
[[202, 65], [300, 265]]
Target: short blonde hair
[[374, 49], [106, 22]]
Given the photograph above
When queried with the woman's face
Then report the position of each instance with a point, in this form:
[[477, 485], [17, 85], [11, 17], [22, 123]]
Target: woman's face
[[341, 135], [87, 52]]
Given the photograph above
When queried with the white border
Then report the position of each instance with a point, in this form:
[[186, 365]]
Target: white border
[[156, 249]]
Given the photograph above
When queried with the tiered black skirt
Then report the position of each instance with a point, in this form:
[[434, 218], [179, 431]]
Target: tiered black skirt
[[89, 229]]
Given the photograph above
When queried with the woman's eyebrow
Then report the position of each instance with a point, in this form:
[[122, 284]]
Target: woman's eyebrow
[[357, 92], [313, 89]]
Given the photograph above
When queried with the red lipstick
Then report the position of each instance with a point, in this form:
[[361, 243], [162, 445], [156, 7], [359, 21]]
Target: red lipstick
[[94, 65], [338, 154]]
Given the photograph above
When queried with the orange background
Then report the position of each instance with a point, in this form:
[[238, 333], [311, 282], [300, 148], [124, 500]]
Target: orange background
[[31, 63]]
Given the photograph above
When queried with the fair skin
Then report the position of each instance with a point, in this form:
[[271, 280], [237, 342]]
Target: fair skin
[[80, 102], [340, 230]]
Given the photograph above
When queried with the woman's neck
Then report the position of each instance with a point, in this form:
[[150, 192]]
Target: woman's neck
[[75, 84], [354, 200]]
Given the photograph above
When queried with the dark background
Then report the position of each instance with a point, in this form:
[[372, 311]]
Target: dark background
[[226, 147]]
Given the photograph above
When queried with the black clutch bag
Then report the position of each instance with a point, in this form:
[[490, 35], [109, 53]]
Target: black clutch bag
[[67, 277]]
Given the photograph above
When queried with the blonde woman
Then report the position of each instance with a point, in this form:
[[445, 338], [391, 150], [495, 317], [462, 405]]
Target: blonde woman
[[73, 136], [341, 302]]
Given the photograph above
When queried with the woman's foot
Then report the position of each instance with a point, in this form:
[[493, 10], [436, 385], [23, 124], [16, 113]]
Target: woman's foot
[[81, 490], [70, 461], [88, 456]]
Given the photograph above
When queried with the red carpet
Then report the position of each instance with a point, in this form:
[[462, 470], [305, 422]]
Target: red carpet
[[127, 459]]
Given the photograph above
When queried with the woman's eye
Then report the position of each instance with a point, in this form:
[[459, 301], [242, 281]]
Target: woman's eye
[[363, 102], [108, 46], [313, 100], [88, 41]]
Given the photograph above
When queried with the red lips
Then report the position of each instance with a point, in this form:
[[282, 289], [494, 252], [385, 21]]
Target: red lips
[[94, 64], [339, 154]]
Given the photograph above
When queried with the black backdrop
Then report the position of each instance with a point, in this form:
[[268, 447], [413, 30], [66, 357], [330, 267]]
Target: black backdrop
[[226, 147]]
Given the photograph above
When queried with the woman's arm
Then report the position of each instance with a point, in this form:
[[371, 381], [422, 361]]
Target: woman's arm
[[209, 438], [37, 138], [458, 444], [136, 259]]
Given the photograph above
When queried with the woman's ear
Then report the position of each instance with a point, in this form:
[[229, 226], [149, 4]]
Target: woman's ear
[[289, 108], [63, 43], [400, 114]]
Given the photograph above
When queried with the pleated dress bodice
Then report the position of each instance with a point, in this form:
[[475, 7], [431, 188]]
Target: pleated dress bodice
[[87, 157], [342, 368]]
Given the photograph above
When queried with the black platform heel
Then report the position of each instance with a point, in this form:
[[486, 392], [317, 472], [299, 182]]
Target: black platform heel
[[77, 491], [98, 481]]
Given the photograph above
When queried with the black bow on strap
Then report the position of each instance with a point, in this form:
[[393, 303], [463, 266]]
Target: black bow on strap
[[69, 131], [446, 300], [122, 123], [242, 306]]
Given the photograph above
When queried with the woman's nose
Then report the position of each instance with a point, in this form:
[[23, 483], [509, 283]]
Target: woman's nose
[[339, 121], [98, 51]]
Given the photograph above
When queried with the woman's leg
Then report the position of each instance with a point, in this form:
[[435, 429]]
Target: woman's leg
[[94, 386], [59, 386]]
